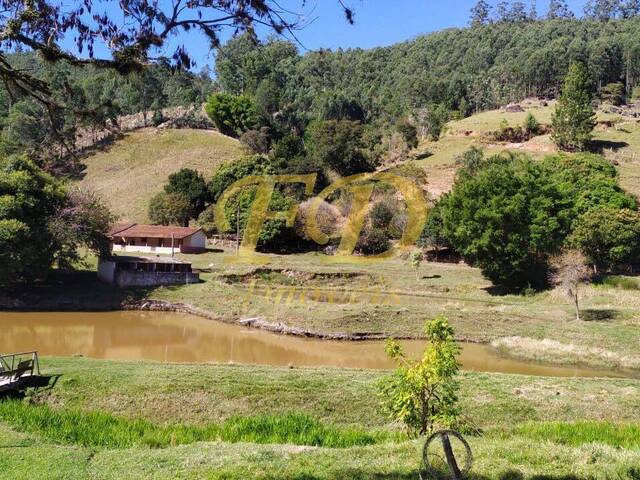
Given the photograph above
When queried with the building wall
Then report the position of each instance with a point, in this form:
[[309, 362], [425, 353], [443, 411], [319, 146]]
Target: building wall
[[106, 271], [144, 249], [195, 243], [124, 278]]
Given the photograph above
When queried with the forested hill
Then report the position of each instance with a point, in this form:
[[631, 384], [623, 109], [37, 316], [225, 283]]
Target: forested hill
[[468, 69]]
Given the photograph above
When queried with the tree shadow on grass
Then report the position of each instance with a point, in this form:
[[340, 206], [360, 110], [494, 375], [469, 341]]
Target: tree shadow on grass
[[604, 315], [599, 146]]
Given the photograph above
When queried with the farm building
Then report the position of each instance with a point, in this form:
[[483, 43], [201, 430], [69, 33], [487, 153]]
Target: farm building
[[132, 237], [145, 272]]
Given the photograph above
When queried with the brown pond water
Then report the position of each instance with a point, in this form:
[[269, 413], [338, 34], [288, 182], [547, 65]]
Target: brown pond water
[[175, 337]]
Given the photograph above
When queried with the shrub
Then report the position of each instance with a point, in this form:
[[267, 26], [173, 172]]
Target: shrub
[[613, 93], [409, 133], [229, 173], [609, 237], [505, 216], [435, 120], [373, 241], [531, 125], [170, 209], [190, 184], [207, 220], [635, 95], [424, 393], [232, 115], [256, 141], [381, 215]]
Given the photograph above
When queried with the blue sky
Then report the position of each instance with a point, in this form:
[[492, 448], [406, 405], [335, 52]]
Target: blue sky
[[378, 23]]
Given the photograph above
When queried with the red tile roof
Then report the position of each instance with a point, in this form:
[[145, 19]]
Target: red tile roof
[[152, 231]]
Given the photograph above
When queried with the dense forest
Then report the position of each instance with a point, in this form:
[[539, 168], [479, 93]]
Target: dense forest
[[468, 70]]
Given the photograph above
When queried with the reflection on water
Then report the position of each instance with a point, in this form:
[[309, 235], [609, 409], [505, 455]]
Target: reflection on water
[[174, 337]]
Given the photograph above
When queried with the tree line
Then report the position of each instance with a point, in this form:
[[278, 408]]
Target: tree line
[[465, 70]]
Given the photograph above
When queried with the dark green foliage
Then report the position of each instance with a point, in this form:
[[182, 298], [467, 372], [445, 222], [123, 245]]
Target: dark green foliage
[[435, 119], [229, 173], [232, 115], [468, 69], [531, 125], [170, 209], [28, 199], [505, 217], [609, 237], [433, 234], [587, 181], [409, 133], [613, 93], [336, 106], [190, 184], [574, 118], [40, 222], [508, 214], [339, 145]]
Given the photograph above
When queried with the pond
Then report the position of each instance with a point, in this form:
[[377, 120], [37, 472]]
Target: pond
[[175, 337]]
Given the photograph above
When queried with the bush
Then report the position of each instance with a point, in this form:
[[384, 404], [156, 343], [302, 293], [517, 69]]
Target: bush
[[256, 141], [381, 215], [609, 237], [373, 241], [339, 145], [409, 133], [190, 184], [232, 115], [207, 220], [170, 209], [635, 95], [435, 120], [229, 173], [613, 93], [531, 125], [505, 217]]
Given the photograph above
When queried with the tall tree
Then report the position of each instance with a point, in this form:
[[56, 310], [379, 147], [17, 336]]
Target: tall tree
[[602, 10], [559, 9], [574, 118], [480, 14]]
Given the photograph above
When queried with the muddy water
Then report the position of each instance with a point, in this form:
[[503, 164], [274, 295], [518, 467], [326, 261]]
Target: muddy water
[[174, 337]]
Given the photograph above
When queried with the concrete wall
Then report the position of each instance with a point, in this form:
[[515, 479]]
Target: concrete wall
[[106, 271], [195, 243], [143, 249], [125, 278]]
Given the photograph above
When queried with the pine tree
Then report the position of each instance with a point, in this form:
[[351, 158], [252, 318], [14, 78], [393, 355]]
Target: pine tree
[[574, 118], [480, 14], [559, 9]]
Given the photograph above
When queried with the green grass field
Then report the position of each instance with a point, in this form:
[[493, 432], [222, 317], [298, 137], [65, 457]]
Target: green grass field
[[148, 420]]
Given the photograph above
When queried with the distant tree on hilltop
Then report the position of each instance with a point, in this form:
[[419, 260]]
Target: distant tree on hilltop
[[559, 9]]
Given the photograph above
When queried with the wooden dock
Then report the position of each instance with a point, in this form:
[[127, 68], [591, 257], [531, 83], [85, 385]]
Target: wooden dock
[[19, 371]]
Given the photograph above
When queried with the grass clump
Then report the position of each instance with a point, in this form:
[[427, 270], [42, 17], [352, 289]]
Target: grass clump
[[99, 429], [619, 435], [623, 283]]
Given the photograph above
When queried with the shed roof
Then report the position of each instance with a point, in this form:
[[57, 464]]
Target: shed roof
[[153, 231]]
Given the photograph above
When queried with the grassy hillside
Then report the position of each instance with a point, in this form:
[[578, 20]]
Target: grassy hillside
[[616, 137], [133, 169]]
